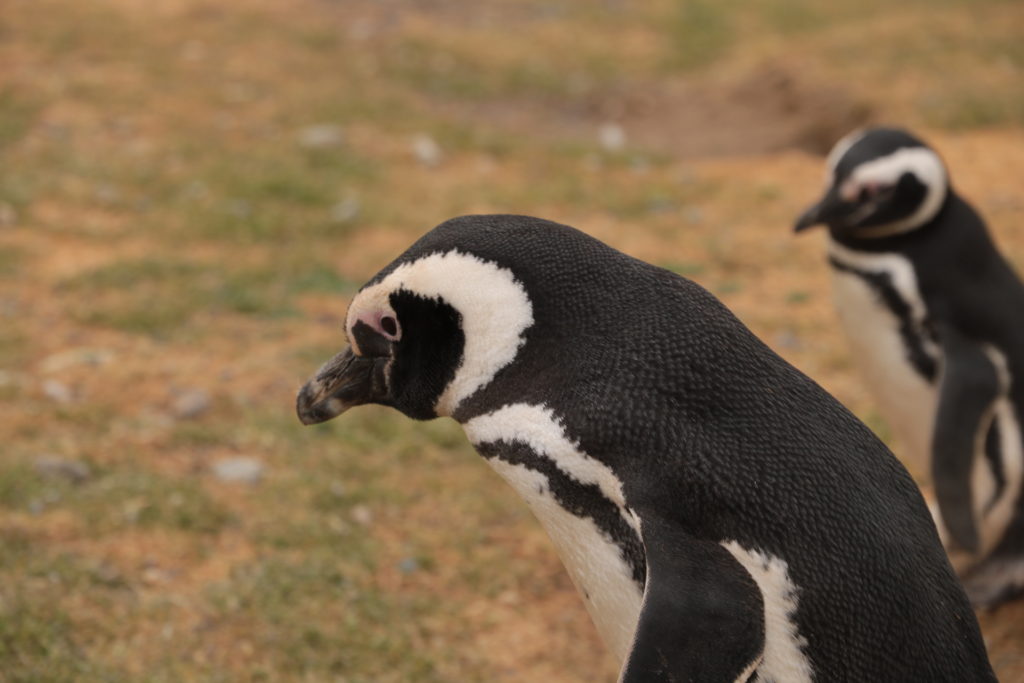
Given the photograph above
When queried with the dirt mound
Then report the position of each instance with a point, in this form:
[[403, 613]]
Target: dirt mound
[[767, 109]]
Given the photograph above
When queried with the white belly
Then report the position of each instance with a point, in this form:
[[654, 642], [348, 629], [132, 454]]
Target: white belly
[[906, 399], [594, 563]]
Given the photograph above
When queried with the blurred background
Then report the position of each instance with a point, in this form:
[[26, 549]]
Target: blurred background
[[191, 191]]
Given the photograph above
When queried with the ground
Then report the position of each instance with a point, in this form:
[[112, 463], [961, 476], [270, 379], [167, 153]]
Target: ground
[[190, 192]]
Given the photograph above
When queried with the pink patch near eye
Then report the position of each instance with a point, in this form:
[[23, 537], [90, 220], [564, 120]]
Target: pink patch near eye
[[879, 188], [383, 323]]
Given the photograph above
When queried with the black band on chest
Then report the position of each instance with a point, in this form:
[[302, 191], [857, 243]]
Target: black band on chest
[[577, 498], [912, 335]]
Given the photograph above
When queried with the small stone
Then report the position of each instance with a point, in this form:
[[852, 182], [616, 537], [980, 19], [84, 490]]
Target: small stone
[[105, 193], [693, 215], [63, 360], [509, 597], [612, 137], [321, 136], [362, 515], [57, 391], [56, 467], [337, 489], [426, 150], [639, 165], [193, 51], [361, 30], [237, 92], [108, 575], [409, 565], [239, 208], [346, 210], [8, 216], [191, 404], [660, 205], [338, 525], [151, 424], [56, 131], [240, 469], [153, 575], [787, 339], [195, 190], [687, 176], [131, 510]]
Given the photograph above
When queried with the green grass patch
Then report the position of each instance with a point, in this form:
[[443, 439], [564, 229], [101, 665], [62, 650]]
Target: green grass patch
[[39, 639], [36, 642], [971, 108], [443, 71], [797, 297], [15, 346], [12, 261], [684, 268], [115, 499], [320, 618], [18, 112], [159, 296], [279, 195], [700, 32]]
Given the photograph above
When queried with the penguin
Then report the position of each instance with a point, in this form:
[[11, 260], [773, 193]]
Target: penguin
[[722, 517], [935, 318]]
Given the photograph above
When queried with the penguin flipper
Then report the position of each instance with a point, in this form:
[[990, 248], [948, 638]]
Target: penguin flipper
[[969, 385], [702, 617]]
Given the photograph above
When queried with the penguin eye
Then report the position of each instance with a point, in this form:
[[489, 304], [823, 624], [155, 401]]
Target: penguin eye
[[389, 325], [872, 190]]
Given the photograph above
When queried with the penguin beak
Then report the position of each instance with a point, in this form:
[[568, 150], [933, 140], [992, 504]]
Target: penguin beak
[[808, 218], [830, 208], [345, 381]]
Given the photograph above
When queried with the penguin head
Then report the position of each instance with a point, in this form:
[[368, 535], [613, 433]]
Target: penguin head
[[426, 332], [881, 182]]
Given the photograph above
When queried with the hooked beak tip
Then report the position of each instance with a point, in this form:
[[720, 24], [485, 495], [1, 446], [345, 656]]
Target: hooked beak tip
[[345, 381], [808, 219], [309, 409]]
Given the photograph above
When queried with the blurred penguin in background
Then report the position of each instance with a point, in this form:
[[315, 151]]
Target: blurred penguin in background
[[935, 318]]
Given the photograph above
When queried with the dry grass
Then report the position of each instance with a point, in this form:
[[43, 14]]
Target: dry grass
[[161, 220]]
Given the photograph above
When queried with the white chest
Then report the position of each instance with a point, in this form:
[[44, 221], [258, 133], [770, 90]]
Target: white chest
[[597, 564], [594, 561], [883, 316]]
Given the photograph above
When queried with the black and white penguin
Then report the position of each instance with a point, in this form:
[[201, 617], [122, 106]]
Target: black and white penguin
[[722, 516], [935, 317]]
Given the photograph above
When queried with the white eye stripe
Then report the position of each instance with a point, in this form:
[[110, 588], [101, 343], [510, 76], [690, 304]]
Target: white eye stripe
[[926, 167], [495, 309], [839, 151], [920, 161]]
